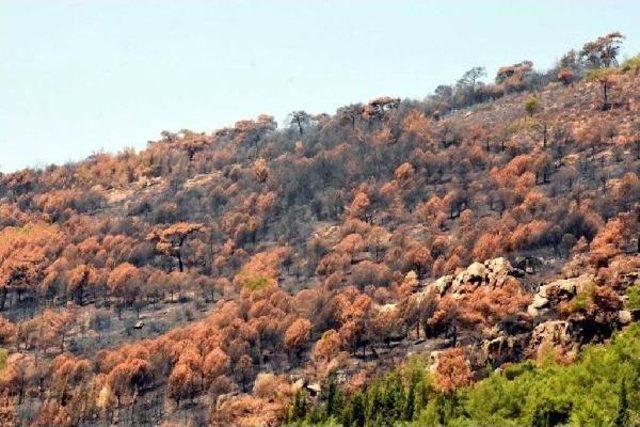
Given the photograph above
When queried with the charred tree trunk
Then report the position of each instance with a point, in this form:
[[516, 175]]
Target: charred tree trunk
[[180, 265]]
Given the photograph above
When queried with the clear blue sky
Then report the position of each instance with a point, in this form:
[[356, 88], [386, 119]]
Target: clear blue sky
[[80, 76]]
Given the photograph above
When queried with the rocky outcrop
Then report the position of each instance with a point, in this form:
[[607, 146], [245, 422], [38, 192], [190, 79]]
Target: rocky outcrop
[[529, 265], [593, 316], [554, 333], [553, 293], [493, 272], [503, 349]]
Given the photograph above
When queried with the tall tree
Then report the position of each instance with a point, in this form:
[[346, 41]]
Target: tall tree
[[466, 85], [606, 78], [622, 417], [349, 114], [603, 51], [300, 119], [171, 239]]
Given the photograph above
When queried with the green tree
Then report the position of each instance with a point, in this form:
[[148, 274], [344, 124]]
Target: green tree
[[532, 105], [298, 409], [622, 417], [355, 411], [410, 401], [331, 395]]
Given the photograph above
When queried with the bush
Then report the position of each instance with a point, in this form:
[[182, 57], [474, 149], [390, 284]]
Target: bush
[[633, 293], [584, 393], [631, 64], [531, 105], [589, 392], [256, 283]]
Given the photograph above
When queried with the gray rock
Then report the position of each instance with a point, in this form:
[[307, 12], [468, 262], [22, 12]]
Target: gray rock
[[554, 332], [476, 271], [139, 325], [625, 317], [442, 284]]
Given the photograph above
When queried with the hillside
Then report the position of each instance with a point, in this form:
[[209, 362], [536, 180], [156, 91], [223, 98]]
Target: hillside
[[233, 277]]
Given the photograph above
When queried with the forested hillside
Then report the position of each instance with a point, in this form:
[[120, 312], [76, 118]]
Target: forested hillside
[[263, 274]]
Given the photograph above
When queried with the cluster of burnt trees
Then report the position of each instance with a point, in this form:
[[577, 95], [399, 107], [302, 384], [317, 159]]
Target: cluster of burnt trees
[[209, 201], [314, 231]]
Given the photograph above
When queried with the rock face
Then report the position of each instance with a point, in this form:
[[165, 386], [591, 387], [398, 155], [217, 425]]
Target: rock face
[[504, 348], [551, 333], [411, 279], [537, 306], [442, 284], [560, 290], [493, 272], [529, 265], [520, 335]]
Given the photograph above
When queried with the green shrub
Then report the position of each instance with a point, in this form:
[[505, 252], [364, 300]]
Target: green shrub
[[631, 64], [3, 359], [531, 105], [601, 388], [633, 293], [256, 283]]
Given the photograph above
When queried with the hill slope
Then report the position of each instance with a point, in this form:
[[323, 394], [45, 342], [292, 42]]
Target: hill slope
[[210, 277]]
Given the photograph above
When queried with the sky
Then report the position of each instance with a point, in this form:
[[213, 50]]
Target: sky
[[78, 77]]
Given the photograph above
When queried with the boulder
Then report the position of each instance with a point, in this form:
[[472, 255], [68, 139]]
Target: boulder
[[625, 317], [528, 264], [298, 384], [434, 358], [501, 349], [411, 278], [537, 305], [476, 272], [493, 272], [567, 287], [138, 325], [571, 286], [552, 332], [314, 389], [387, 308], [558, 290], [539, 302], [442, 284], [498, 265]]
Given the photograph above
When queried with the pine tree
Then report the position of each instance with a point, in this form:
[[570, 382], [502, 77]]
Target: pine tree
[[331, 395], [622, 417], [422, 398], [375, 400], [394, 398], [409, 406], [299, 407], [358, 415]]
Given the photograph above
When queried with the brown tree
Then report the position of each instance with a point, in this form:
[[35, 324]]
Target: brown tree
[[297, 335], [452, 370], [171, 239], [183, 383], [606, 78], [125, 281]]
